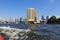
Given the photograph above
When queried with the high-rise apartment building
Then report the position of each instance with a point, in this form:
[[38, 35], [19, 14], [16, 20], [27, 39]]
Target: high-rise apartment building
[[31, 14]]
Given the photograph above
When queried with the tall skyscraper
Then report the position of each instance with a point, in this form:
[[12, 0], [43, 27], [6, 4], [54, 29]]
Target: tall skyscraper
[[31, 14]]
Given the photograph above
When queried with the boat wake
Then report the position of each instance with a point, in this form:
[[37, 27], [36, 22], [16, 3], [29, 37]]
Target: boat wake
[[14, 33]]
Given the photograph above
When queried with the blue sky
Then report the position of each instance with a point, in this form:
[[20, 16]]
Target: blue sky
[[17, 8]]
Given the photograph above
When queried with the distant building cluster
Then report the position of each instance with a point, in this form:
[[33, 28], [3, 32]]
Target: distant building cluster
[[8, 20], [31, 17]]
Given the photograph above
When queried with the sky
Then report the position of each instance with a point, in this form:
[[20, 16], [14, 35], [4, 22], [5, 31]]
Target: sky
[[17, 8]]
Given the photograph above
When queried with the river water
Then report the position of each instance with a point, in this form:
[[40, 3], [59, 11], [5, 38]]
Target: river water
[[45, 31]]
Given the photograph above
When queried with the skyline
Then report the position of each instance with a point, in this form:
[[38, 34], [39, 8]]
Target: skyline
[[17, 8]]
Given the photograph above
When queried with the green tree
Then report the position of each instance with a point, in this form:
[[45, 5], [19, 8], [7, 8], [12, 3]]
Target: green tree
[[21, 19], [58, 21], [52, 19], [6, 21]]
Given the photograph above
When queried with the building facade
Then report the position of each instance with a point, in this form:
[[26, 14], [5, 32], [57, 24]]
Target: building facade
[[31, 14]]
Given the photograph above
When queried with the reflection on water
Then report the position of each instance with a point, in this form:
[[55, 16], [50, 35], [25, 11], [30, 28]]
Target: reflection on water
[[32, 26], [40, 31]]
